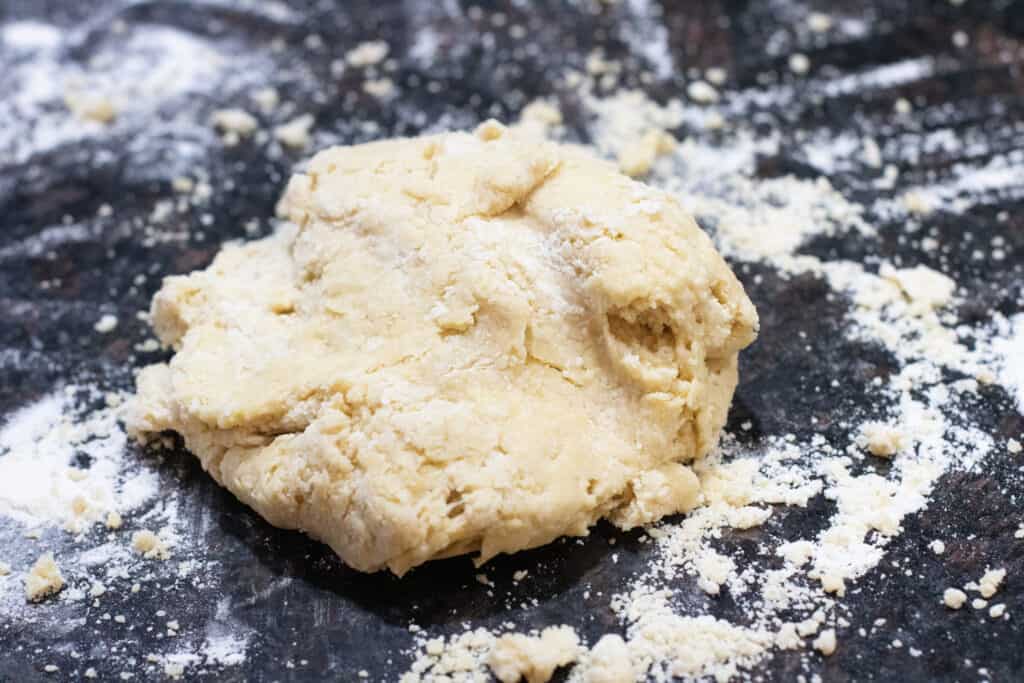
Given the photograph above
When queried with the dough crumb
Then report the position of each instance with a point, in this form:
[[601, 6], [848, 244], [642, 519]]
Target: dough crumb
[[997, 611], [234, 124], [819, 22], [990, 581], [882, 440], [954, 598], [535, 658], [174, 670], [44, 579], [367, 54], [702, 92], [114, 520], [295, 133], [90, 107], [831, 583], [149, 545], [787, 637], [90, 673], [106, 323], [266, 99], [609, 662], [937, 547], [380, 87], [924, 288], [799, 63], [538, 117], [716, 75], [825, 643], [636, 159], [5, 569], [919, 203], [183, 184], [1014, 446]]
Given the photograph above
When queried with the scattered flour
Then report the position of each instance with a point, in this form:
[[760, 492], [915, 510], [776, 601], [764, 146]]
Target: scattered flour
[[921, 430], [1010, 352], [41, 484], [772, 222]]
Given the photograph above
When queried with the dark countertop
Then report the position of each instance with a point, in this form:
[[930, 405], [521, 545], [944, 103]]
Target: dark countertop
[[291, 595]]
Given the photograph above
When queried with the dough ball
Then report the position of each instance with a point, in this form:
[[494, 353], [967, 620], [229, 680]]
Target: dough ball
[[462, 343]]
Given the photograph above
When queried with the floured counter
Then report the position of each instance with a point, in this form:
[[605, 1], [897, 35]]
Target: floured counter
[[863, 181]]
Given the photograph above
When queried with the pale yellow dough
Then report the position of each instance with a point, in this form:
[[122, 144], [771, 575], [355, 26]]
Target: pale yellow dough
[[459, 343]]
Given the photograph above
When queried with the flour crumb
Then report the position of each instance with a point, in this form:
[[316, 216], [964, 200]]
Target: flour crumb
[[1014, 446], [608, 662], [367, 54], [882, 440], [954, 598], [799, 63], [149, 545], [174, 670], [114, 520], [234, 124], [937, 547], [44, 579], [535, 658], [538, 118], [925, 288], [833, 583], [637, 158], [295, 133], [716, 75], [106, 323], [90, 107], [990, 581], [90, 673], [819, 22], [266, 99], [825, 643], [702, 92], [379, 87], [919, 203]]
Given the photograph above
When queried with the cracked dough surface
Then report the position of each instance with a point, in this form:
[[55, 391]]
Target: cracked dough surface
[[470, 342]]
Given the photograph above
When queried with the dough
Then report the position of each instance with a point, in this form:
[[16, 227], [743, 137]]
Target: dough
[[517, 657], [459, 343], [44, 579]]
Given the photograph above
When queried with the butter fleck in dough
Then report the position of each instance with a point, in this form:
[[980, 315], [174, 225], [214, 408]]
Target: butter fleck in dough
[[463, 343]]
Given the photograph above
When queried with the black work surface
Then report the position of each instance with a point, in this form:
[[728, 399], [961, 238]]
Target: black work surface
[[310, 617]]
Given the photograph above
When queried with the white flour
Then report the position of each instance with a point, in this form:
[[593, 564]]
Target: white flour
[[1010, 350], [770, 221], [39, 482]]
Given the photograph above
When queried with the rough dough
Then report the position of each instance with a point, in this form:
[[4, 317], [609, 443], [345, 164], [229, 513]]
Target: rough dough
[[517, 657], [459, 343], [44, 579]]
